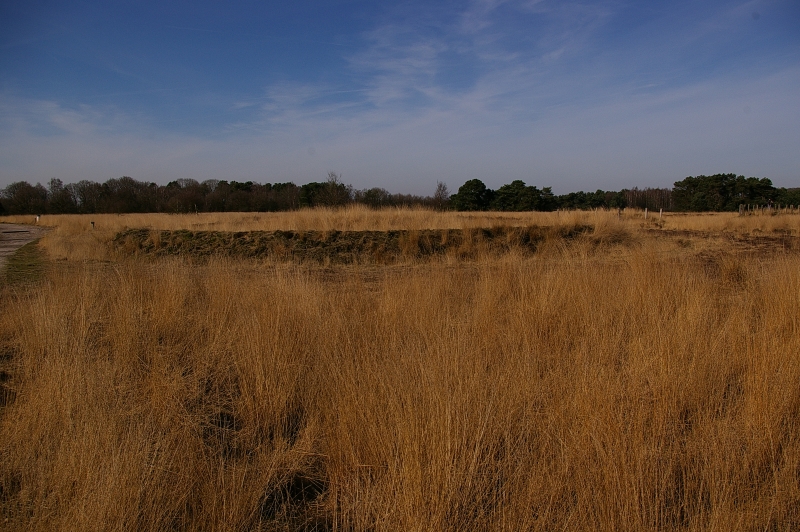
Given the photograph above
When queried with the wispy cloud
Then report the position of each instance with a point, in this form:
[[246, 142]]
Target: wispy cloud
[[499, 90], [477, 16], [49, 118]]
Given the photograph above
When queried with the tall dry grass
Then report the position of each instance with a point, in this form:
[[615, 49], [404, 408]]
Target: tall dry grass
[[74, 238], [785, 222], [564, 391], [351, 218], [361, 218]]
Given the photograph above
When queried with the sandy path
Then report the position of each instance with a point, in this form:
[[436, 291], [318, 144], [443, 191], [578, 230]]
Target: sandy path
[[14, 236]]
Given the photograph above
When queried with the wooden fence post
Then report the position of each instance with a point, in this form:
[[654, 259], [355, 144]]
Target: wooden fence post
[[645, 213]]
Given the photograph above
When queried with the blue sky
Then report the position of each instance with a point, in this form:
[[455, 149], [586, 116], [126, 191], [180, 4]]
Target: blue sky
[[577, 95]]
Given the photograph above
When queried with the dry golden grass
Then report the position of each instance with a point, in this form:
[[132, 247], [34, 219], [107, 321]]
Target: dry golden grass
[[351, 218], [779, 223], [617, 382], [74, 238]]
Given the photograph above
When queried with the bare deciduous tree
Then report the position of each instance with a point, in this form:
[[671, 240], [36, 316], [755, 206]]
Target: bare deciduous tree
[[441, 198]]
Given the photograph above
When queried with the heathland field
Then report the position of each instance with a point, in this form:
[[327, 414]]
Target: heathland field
[[398, 370]]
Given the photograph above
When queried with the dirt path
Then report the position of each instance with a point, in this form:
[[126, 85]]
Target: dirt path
[[14, 236]]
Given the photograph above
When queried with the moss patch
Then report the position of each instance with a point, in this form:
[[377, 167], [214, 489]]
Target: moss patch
[[27, 265]]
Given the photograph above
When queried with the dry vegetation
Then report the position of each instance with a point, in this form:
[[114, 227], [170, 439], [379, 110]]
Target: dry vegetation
[[641, 376]]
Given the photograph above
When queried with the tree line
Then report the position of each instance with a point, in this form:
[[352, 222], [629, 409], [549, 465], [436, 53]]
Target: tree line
[[127, 195], [719, 192], [725, 192]]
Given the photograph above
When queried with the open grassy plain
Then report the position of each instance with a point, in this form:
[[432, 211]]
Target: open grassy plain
[[600, 373]]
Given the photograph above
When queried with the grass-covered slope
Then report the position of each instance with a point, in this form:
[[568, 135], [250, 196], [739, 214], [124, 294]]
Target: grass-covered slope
[[340, 247]]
